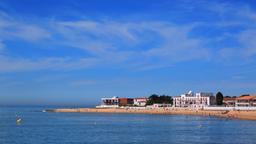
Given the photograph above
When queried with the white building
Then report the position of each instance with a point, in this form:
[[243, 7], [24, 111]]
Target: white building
[[190, 99], [140, 101], [109, 102]]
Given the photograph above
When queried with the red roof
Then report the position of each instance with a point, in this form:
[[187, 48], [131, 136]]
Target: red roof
[[246, 97], [228, 99]]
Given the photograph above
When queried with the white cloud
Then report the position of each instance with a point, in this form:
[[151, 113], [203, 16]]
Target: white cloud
[[82, 82], [247, 38], [177, 45], [110, 42], [111, 39], [99, 29], [238, 77], [11, 28], [241, 19], [1, 46], [240, 54], [99, 38], [21, 64], [30, 33]]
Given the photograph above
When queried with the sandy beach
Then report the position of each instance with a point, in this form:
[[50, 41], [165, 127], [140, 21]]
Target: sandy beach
[[233, 114]]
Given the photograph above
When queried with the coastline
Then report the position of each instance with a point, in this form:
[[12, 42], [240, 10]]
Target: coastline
[[232, 114]]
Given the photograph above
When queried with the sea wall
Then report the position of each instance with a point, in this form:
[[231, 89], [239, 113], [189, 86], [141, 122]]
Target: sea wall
[[231, 108]]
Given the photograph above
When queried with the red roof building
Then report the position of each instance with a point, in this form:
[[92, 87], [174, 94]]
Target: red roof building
[[246, 101], [229, 102]]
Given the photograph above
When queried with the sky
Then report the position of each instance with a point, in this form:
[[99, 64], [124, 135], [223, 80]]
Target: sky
[[73, 52]]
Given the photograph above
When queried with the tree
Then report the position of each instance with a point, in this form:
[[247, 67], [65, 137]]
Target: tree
[[162, 99], [219, 98], [165, 99], [152, 99]]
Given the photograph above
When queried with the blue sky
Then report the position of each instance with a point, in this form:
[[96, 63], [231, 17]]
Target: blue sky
[[74, 52]]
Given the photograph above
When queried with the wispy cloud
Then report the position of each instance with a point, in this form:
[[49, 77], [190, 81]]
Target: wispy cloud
[[139, 45], [23, 64], [11, 28], [178, 46], [1, 46], [28, 32], [122, 40], [247, 38], [110, 42], [83, 82]]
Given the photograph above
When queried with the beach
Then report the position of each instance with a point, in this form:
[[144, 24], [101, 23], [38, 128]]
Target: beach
[[232, 114]]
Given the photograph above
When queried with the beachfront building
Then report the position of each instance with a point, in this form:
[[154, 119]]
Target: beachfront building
[[246, 101], [109, 102], [229, 102], [190, 99], [140, 101], [115, 102], [125, 101]]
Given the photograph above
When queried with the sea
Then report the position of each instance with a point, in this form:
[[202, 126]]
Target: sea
[[38, 127]]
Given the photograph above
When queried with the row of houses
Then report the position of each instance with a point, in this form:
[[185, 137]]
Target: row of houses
[[203, 99], [242, 101], [190, 99]]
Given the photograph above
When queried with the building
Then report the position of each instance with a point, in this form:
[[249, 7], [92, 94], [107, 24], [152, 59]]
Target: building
[[229, 102], [190, 99], [125, 101], [115, 102], [109, 102], [140, 101], [246, 101]]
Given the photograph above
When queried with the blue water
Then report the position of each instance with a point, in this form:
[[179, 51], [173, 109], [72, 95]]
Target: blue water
[[98, 128]]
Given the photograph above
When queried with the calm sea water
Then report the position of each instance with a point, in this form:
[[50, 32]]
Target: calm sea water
[[99, 128]]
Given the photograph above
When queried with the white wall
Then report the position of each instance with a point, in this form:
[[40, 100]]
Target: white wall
[[229, 108]]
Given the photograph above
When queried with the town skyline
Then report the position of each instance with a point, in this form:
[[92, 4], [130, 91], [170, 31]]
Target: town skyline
[[75, 52]]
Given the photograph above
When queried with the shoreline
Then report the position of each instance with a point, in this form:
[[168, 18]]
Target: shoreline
[[232, 114]]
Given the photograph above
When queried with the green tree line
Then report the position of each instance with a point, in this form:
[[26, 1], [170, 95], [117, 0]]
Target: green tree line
[[160, 99]]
